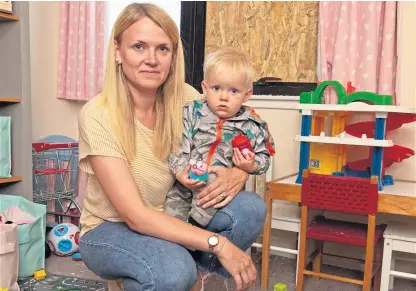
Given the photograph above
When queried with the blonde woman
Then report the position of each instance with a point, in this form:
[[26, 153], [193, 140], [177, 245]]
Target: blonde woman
[[126, 135]]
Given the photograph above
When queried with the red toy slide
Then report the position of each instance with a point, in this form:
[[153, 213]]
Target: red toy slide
[[394, 154]]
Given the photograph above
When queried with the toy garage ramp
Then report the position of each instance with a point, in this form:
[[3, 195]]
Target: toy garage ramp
[[324, 154], [391, 155]]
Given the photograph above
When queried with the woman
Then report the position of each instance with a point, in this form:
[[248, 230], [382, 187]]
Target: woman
[[126, 134]]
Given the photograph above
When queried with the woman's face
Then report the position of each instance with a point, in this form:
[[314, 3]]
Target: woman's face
[[145, 52]]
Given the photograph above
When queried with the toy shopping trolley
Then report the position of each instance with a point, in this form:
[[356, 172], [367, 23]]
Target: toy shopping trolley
[[55, 173]]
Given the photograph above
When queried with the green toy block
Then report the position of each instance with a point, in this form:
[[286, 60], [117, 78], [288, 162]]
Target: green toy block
[[280, 287], [316, 96], [339, 89], [309, 98], [374, 98]]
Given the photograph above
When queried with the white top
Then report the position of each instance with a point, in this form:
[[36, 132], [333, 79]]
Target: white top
[[401, 231], [347, 140], [358, 107]]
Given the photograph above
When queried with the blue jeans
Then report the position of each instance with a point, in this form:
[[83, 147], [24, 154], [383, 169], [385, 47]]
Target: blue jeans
[[112, 250]]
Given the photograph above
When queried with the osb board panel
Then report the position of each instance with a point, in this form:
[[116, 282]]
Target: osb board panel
[[279, 37]]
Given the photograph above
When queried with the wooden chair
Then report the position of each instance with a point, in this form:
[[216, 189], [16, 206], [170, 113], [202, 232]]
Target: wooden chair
[[282, 216], [340, 194], [285, 218]]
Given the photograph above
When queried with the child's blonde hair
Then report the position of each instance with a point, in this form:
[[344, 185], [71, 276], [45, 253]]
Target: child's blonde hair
[[229, 59]]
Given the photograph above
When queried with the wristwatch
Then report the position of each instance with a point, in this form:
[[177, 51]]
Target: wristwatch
[[213, 241]]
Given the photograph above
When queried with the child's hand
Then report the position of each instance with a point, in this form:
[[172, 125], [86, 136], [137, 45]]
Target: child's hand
[[183, 178], [246, 162]]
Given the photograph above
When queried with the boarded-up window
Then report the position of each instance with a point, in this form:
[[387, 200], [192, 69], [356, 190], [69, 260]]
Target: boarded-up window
[[279, 37]]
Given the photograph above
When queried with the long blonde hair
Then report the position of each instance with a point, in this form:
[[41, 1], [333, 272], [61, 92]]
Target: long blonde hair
[[117, 97]]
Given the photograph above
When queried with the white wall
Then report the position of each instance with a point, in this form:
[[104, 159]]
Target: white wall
[[113, 9], [50, 115], [406, 86]]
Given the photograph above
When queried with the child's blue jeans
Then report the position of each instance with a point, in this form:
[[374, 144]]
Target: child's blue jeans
[[112, 250]]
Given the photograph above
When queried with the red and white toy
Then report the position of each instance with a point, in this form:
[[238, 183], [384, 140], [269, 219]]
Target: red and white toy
[[63, 239], [243, 144]]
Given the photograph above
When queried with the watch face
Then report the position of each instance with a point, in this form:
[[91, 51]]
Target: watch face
[[213, 240]]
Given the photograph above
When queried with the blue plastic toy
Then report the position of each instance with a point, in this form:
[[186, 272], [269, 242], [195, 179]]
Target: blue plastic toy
[[76, 257]]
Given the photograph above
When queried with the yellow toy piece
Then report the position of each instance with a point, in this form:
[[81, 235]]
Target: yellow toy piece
[[39, 275], [280, 287], [326, 159]]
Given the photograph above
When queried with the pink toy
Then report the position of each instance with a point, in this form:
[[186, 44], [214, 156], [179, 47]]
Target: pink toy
[[199, 170], [246, 153]]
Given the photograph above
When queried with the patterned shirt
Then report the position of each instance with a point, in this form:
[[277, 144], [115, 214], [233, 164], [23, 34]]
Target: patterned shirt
[[201, 128]]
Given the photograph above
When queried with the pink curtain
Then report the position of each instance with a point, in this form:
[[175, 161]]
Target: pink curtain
[[81, 40], [358, 45]]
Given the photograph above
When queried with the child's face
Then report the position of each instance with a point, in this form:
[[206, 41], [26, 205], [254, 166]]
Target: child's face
[[226, 92]]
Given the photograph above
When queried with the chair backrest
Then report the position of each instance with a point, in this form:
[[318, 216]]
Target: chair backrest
[[342, 194]]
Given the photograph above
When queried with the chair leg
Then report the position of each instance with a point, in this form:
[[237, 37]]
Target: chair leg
[[317, 261], [392, 267], [369, 252], [302, 248], [379, 258], [377, 281], [386, 265], [266, 245], [297, 260]]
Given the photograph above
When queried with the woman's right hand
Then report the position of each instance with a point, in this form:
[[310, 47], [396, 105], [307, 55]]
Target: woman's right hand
[[238, 264]]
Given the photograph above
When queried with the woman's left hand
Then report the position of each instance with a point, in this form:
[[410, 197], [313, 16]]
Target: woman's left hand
[[219, 193]]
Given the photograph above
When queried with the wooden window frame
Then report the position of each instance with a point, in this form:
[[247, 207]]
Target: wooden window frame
[[193, 21]]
